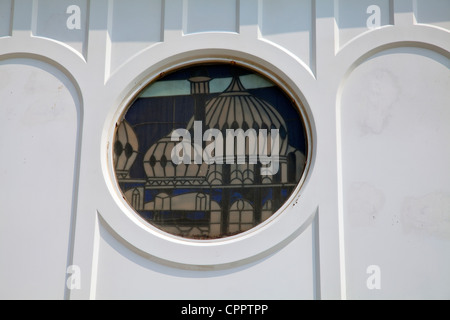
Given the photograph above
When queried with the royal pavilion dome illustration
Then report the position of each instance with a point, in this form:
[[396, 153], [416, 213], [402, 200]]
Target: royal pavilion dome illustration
[[161, 170], [236, 108], [201, 199]]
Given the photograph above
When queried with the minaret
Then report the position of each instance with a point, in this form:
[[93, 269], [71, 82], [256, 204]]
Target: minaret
[[199, 89]]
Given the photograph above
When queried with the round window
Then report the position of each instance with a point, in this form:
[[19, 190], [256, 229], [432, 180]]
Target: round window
[[209, 151]]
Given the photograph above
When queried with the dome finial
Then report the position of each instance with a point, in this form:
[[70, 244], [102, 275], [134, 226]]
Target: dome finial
[[236, 84]]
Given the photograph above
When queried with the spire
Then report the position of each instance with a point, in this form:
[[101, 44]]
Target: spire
[[235, 85]]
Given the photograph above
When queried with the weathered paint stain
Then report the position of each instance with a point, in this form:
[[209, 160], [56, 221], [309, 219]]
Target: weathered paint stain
[[364, 203], [428, 214], [381, 94]]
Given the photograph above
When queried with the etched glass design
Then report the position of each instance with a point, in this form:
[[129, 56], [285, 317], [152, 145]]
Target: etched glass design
[[209, 151]]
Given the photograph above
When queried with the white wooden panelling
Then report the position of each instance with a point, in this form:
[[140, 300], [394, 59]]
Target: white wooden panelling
[[432, 12], [5, 18], [352, 17], [290, 25], [395, 131], [40, 112], [50, 20], [144, 28], [376, 190], [210, 16]]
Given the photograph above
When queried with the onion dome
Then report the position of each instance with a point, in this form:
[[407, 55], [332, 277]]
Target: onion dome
[[126, 148], [236, 108], [161, 170]]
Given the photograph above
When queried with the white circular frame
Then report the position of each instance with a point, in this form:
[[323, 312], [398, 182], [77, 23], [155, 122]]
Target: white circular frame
[[147, 240]]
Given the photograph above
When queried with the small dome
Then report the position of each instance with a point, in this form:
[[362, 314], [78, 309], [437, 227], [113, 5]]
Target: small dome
[[158, 164]]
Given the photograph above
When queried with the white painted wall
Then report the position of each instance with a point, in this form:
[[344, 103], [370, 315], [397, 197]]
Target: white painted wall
[[370, 220]]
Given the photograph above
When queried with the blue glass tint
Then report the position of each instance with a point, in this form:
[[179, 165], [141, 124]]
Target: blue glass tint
[[209, 151]]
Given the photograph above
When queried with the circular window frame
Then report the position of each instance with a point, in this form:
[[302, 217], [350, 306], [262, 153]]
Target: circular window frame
[[148, 240]]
